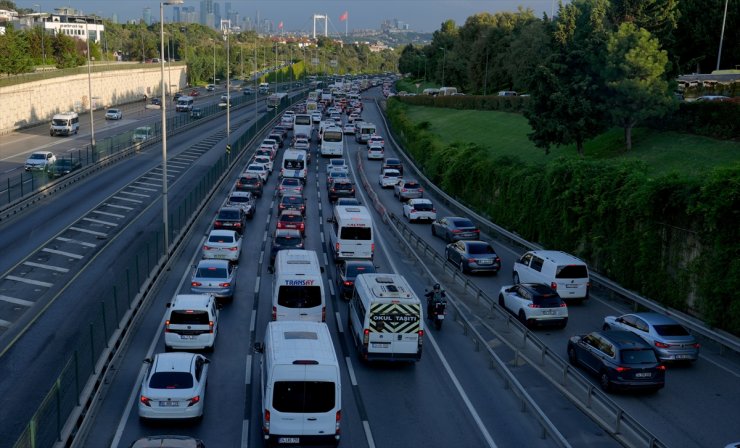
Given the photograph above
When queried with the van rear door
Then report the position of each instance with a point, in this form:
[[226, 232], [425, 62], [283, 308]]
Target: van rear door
[[572, 281], [301, 299], [355, 241], [394, 329]]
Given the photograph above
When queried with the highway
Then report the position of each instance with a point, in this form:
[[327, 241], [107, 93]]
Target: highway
[[452, 390]]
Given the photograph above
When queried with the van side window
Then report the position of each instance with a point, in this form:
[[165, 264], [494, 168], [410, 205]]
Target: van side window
[[357, 305], [526, 259], [537, 263]]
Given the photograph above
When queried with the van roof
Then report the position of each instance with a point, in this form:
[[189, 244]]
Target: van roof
[[387, 287], [351, 212], [301, 341], [558, 257], [297, 262]]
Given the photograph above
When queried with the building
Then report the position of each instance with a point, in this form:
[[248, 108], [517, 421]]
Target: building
[[147, 15], [66, 21]]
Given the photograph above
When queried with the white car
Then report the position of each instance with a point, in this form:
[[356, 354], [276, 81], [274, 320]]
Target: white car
[[265, 161], [287, 121], [377, 140], [271, 142], [258, 169], [316, 117], [223, 245], [389, 177], [375, 152], [243, 199], [302, 143], [40, 161], [337, 165], [419, 210], [534, 303], [174, 387], [348, 129], [113, 114]]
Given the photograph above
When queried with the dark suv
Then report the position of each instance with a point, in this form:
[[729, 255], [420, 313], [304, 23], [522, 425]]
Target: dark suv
[[393, 164], [341, 188], [250, 183], [620, 359], [231, 218]]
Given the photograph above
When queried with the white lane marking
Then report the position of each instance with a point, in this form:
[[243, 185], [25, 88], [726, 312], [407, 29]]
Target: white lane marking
[[368, 434], [245, 434], [115, 215], [138, 195], [118, 206], [264, 237], [61, 252], [91, 232], [16, 301], [141, 188], [340, 328], [331, 289], [252, 322], [257, 285], [326, 260], [5, 323], [322, 237], [100, 221], [461, 392], [726, 369], [127, 199], [29, 281], [46, 266], [262, 257], [135, 391], [81, 243], [248, 371], [352, 377], [151, 184]]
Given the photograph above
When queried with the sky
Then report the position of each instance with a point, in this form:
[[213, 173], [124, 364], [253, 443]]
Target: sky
[[296, 15]]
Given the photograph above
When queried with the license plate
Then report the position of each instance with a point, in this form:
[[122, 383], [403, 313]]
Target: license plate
[[380, 344], [485, 261], [548, 312], [441, 317], [219, 256], [643, 375], [571, 286], [683, 357], [288, 440], [187, 336], [167, 404]]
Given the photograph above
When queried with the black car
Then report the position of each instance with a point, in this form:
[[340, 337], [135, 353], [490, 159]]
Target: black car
[[341, 188], [278, 137], [285, 239], [455, 228], [64, 166], [252, 184], [347, 272], [473, 256], [156, 101], [283, 130], [231, 218], [196, 113], [621, 360], [292, 202], [391, 163]]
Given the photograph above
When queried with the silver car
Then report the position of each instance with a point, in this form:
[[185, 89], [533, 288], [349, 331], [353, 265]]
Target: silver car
[[670, 340], [223, 245], [217, 277], [407, 189], [290, 186]]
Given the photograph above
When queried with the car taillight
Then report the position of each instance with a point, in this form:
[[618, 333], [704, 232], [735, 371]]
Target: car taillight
[[233, 249], [621, 369], [274, 313], [498, 260], [211, 326], [532, 305], [554, 285], [372, 248], [697, 345], [471, 260], [195, 283], [338, 419], [266, 422], [661, 367], [421, 190], [563, 305], [323, 314], [302, 226], [224, 285], [194, 400], [366, 336], [348, 283], [166, 326], [217, 223], [403, 189], [238, 224], [207, 248], [456, 231], [146, 401], [662, 345], [280, 225], [336, 247]]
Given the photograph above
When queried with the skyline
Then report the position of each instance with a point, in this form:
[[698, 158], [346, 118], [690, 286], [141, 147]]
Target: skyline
[[296, 15]]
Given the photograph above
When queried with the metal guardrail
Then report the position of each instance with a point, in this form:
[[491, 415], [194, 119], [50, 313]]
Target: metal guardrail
[[724, 340]]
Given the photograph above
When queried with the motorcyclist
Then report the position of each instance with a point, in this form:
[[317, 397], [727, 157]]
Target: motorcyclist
[[436, 295]]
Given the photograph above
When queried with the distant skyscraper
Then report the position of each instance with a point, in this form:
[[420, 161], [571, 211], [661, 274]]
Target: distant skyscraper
[[114, 18], [176, 16], [189, 15], [216, 13], [147, 16], [227, 9], [206, 7], [210, 20]]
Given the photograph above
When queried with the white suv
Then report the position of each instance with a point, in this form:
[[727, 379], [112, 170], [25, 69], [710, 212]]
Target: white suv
[[564, 273], [192, 322]]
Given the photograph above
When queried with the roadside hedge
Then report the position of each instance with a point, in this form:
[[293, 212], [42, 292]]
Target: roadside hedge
[[475, 102], [672, 239], [720, 120]]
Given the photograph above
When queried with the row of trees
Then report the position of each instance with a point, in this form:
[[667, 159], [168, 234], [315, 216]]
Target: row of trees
[[596, 64]]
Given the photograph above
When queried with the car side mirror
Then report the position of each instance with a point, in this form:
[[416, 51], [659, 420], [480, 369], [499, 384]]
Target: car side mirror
[[258, 347], [147, 360], [271, 269], [168, 305], [330, 219]]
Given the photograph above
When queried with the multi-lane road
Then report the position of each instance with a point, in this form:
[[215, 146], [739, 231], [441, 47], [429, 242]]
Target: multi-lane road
[[450, 398]]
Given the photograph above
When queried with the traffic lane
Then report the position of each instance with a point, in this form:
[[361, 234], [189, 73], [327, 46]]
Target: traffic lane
[[589, 317]]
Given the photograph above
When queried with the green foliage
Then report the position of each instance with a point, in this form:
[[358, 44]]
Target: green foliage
[[65, 52], [502, 103], [14, 54], [672, 238], [720, 120]]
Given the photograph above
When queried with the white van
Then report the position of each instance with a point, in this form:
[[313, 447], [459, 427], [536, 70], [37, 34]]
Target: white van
[[298, 288], [302, 124], [351, 234], [300, 384], [67, 123], [385, 318], [332, 142], [562, 272], [142, 134], [184, 104], [363, 131], [264, 87], [294, 164], [191, 322]]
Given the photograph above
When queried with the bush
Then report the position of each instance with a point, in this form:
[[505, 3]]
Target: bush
[[720, 120], [475, 102]]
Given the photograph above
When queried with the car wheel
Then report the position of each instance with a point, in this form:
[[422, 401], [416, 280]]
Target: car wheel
[[572, 356], [501, 301], [606, 385], [606, 327], [448, 238], [516, 278]]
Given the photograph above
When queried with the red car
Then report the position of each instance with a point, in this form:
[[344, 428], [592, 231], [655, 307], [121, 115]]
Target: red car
[[292, 219], [194, 93]]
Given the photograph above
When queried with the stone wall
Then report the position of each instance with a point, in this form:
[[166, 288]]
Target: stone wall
[[33, 103]]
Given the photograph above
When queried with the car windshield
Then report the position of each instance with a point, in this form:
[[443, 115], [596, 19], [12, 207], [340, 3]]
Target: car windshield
[[641, 356], [480, 249], [291, 217], [671, 330], [572, 271], [171, 380], [411, 185], [220, 238], [37, 156], [342, 186], [293, 200], [249, 180], [461, 223], [228, 214], [189, 317], [291, 182], [256, 168], [547, 301], [212, 273], [239, 199]]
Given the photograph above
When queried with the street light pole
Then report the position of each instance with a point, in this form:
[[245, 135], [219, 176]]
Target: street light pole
[[165, 211], [722, 35], [89, 86], [214, 62], [228, 95]]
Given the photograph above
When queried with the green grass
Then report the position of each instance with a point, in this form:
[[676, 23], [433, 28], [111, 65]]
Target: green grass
[[506, 134]]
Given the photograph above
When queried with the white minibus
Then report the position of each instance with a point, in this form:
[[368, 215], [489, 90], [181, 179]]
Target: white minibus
[[294, 164], [351, 233], [332, 142], [298, 291]]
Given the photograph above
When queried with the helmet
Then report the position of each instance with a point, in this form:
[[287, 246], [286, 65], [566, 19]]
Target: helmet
[[437, 287]]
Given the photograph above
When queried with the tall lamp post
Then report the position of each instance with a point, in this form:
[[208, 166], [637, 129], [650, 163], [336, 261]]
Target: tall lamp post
[[165, 211], [228, 94], [722, 35], [89, 84]]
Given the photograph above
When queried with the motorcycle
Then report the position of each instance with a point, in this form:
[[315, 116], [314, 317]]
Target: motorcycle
[[436, 308]]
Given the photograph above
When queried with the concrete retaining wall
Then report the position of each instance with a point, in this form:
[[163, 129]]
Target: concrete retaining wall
[[33, 103]]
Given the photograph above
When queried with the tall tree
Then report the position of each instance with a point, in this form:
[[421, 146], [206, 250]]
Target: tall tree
[[15, 57], [65, 52], [567, 99], [635, 75]]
